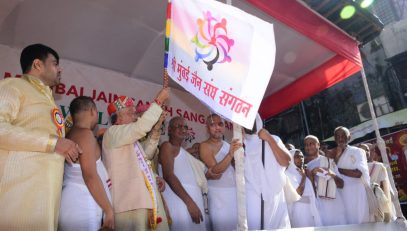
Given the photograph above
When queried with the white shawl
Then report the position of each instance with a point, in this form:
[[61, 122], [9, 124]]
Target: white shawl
[[261, 179]]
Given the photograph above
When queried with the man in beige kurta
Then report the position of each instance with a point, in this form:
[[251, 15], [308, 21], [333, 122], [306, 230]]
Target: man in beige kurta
[[32, 147], [131, 196]]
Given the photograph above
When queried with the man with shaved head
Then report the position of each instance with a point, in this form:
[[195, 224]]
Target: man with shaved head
[[327, 180], [352, 165], [217, 155], [186, 179]]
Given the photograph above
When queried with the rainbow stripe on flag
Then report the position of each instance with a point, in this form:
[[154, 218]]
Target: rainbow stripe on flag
[[167, 34]]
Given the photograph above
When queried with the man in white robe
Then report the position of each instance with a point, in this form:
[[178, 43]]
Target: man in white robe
[[379, 178], [186, 179], [266, 181], [324, 174], [352, 165], [304, 212], [217, 155]]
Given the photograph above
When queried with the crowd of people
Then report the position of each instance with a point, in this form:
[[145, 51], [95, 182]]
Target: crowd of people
[[51, 180]]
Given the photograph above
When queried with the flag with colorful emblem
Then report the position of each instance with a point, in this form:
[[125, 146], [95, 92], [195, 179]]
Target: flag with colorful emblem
[[220, 54]]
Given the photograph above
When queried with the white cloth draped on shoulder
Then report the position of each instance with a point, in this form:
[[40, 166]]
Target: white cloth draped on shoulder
[[181, 219], [267, 181], [354, 191], [331, 210], [222, 196]]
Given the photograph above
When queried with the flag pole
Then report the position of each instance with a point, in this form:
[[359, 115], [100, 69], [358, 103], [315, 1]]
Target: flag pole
[[167, 43], [382, 148], [240, 181], [239, 171]]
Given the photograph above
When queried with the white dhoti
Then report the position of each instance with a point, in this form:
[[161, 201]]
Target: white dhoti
[[354, 192], [267, 181], [222, 197], [79, 211], [331, 210], [222, 208], [181, 219], [303, 213]]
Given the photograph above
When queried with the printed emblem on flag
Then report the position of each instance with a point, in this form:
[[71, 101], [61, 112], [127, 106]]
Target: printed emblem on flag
[[212, 44]]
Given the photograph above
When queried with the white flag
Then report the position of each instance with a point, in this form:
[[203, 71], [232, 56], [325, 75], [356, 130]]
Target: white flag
[[222, 55]]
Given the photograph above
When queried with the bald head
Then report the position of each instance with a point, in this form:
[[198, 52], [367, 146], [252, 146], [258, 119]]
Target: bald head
[[342, 137], [177, 128], [344, 129], [211, 118], [312, 137], [174, 120]]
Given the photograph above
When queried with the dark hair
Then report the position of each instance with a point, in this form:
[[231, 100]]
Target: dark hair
[[35, 51], [81, 103], [113, 118]]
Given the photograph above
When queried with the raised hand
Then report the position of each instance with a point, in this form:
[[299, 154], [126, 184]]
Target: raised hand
[[162, 95], [302, 172], [264, 134], [234, 145], [316, 170]]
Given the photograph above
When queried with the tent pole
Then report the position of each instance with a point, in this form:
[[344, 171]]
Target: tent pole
[[261, 197], [305, 117], [382, 147]]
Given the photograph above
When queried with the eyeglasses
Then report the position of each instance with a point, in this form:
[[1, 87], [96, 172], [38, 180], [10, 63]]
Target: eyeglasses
[[180, 126]]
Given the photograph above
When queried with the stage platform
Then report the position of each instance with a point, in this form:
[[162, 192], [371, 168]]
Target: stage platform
[[379, 226]]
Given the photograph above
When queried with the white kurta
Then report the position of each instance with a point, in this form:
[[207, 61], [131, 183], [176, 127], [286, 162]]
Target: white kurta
[[222, 196], [303, 213], [79, 211], [332, 211], [181, 219], [267, 181], [354, 192]]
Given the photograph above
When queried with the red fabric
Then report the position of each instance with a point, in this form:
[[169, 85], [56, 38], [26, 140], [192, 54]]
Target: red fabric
[[325, 76], [302, 19], [305, 21], [119, 103]]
